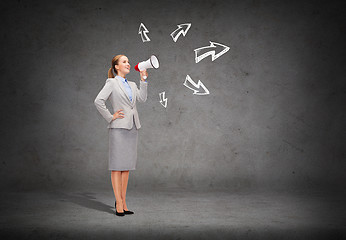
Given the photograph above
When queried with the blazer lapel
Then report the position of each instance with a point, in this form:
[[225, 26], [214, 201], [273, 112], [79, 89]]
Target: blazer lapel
[[121, 85]]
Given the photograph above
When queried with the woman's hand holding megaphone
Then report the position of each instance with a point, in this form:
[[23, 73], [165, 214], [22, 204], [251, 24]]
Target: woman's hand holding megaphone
[[152, 62], [143, 74]]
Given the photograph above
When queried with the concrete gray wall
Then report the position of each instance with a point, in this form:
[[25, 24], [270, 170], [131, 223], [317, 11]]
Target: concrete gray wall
[[274, 118]]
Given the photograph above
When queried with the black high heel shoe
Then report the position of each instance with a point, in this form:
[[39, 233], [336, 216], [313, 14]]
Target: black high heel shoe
[[116, 212], [125, 212], [128, 212]]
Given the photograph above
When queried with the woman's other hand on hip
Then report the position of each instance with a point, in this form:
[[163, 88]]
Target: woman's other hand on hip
[[118, 114]]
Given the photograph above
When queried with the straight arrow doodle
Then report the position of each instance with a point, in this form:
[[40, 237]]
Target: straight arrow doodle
[[196, 85], [213, 46], [143, 32], [163, 99], [182, 29]]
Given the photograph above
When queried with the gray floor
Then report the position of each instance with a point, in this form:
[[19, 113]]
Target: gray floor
[[173, 214]]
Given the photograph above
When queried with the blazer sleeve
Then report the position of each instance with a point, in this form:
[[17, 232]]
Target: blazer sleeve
[[100, 101], [142, 92]]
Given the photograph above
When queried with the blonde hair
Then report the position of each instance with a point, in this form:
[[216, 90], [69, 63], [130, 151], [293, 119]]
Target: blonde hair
[[115, 61]]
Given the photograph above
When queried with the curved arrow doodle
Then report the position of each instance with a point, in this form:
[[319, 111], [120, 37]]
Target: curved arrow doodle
[[163, 99], [211, 51], [143, 32], [182, 29], [196, 85]]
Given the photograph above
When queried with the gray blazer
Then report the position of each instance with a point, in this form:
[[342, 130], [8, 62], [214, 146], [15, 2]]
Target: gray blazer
[[114, 90]]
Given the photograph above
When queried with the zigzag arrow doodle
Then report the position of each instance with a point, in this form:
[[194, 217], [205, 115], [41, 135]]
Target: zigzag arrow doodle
[[196, 85], [182, 29], [163, 99], [199, 55], [143, 32]]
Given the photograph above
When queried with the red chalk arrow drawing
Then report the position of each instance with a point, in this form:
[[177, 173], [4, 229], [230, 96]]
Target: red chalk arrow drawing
[[189, 81], [200, 52]]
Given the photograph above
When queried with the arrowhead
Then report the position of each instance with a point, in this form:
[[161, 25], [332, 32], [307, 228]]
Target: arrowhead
[[220, 49], [201, 85], [185, 27], [182, 29], [142, 28]]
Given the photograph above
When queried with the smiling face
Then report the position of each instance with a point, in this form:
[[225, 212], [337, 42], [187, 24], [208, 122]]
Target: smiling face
[[123, 66]]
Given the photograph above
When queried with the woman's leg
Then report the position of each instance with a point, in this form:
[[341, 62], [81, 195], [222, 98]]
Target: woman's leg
[[124, 180], [117, 188]]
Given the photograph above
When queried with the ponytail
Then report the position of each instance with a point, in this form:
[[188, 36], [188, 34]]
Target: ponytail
[[110, 73], [114, 62]]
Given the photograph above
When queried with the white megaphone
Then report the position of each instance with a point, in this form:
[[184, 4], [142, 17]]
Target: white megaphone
[[152, 62]]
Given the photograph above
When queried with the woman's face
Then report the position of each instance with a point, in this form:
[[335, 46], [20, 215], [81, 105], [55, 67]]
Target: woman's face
[[123, 66]]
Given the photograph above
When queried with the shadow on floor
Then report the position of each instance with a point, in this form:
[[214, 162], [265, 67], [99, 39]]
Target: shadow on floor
[[87, 200]]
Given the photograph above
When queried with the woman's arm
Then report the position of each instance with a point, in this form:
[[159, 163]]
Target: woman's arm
[[100, 101], [142, 92]]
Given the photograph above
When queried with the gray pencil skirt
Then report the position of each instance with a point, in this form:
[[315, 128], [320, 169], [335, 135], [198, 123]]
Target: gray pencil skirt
[[122, 149]]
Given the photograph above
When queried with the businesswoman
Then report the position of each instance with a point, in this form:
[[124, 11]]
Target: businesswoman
[[123, 125]]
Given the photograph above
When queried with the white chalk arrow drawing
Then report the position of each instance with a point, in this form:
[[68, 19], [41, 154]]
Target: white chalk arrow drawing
[[163, 99], [182, 29], [196, 85], [143, 32], [199, 55]]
